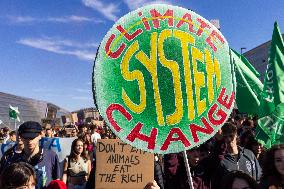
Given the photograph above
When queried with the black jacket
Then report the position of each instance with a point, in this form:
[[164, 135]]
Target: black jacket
[[245, 161], [159, 174]]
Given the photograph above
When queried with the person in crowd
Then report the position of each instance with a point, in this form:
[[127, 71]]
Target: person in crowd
[[256, 148], [19, 147], [16, 149], [210, 155], [239, 180], [5, 135], [89, 131], [106, 137], [42, 133], [88, 145], [176, 175], [45, 162], [254, 119], [77, 166], [238, 121], [56, 184], [198, 168], [235, 157], [62, 133], [18, 176], [273, 168], [193, 156], [82, 131], [73, 133], [245, 137], [204, 151], [175, 172], [48, 133], [247, 125], [95, 136], [91, 183], [104, 134], [203, 166], [158, 171], [12, 136], [55, 132], [111, 134]]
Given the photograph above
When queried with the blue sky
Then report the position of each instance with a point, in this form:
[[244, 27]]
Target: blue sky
[[47, 47]]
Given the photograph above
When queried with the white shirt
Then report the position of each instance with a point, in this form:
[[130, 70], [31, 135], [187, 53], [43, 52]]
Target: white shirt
[[95, 138]]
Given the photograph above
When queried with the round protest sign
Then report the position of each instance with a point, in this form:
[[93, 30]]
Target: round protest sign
[[163, 80]]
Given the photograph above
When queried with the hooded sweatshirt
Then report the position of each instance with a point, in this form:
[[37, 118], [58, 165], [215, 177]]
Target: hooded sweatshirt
[[244, 161]]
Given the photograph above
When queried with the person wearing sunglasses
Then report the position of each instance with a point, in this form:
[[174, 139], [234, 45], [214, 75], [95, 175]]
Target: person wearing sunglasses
[[45, 162]]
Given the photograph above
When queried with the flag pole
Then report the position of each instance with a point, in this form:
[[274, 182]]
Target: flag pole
[[188, 170]]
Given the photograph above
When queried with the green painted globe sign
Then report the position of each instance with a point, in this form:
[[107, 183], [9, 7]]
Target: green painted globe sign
[[163, 79]]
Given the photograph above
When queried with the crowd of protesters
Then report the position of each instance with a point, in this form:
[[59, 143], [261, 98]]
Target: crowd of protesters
[[232, 159]]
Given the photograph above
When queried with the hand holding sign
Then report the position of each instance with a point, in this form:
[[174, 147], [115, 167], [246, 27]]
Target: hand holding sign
[[152, 185]]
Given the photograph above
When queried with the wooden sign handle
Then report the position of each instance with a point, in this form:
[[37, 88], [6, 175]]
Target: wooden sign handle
[[188, 170]]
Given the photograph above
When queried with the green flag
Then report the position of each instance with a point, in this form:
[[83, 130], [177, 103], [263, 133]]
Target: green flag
[[273, 90], [14, 113], [248, 87], [270, 128]]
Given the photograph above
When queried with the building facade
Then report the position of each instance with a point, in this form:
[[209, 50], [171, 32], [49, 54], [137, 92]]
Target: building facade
[[258, 57], [85, 115], [30, 110]]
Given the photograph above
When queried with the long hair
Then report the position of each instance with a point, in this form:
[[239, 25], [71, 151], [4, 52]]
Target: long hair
[[74, 154], [270, 172], [229, 179], [86, 141], [16, 175]]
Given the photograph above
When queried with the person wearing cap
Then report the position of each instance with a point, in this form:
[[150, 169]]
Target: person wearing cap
[[235, 157], [45, 162]]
